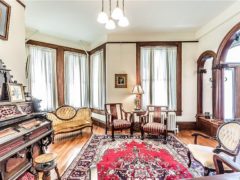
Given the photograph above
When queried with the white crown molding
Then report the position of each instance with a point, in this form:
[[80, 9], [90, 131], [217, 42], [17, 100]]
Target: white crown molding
[[225, 16]]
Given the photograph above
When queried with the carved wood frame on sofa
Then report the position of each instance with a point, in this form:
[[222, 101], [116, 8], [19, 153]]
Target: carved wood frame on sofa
[[67, 119]]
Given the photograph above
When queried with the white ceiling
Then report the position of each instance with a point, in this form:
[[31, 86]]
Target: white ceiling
[[76, 20]]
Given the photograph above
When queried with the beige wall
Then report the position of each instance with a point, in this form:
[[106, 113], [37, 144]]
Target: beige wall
[[121, 59], [12, 51]]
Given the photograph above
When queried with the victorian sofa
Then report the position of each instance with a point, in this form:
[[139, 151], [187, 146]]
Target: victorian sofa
[[67, 119]]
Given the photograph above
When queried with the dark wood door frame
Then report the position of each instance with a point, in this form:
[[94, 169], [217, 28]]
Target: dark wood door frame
[[221, 58], [200, 65]]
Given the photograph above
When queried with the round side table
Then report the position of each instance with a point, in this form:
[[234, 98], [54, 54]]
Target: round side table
[[45, 163]]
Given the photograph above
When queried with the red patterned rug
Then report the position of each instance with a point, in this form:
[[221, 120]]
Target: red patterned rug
[[132, 158]]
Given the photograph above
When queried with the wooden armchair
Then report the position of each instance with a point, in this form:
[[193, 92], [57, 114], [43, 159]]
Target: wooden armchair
[[117, 118], [152, 122], [228, 137]]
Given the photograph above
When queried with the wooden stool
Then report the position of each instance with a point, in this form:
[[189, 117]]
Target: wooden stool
[[45, 163]]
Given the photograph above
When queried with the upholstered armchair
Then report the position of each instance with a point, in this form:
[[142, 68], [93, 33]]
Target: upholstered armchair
[[117, 118], [152, 123], [228, 137]]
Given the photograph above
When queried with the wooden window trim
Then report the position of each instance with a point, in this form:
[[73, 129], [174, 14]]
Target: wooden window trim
[[59, 65], [179, 67]]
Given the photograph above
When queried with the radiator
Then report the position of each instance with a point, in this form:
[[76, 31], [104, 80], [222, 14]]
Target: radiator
[[172, 121]]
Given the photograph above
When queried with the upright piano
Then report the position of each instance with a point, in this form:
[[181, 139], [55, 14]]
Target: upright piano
[[24, 132]]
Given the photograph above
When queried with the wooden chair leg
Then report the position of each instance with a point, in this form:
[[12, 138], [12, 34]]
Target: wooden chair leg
[[106, 130], [113, 139], [131, 131], [92, 129], [165, 137], [142, 133], [189, 159], [206, 171], [218, 164], [57, 172]]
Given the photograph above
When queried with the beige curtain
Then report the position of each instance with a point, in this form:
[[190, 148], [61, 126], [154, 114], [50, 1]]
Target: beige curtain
[[41, 76], [97, 80], [158, 76], [76, 78]]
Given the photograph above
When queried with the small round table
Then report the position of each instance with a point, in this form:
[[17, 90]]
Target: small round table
[[45, 163]]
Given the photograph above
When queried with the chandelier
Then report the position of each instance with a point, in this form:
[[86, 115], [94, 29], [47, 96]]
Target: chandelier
[[118, 15]]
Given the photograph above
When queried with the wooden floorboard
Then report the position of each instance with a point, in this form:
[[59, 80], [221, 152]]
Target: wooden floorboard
[[68, 149]]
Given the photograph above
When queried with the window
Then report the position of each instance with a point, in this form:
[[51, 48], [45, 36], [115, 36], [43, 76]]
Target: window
[[158, 76], [233, 56], [76, 78], [228, 76], [97, 80], [41, 77], [159, 68]]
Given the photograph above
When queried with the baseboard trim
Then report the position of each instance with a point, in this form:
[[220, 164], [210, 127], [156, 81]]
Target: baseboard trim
[[98, 122], [186, 126]]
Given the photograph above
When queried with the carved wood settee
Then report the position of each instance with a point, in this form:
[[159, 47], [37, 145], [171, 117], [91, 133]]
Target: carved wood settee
[[67, 119]]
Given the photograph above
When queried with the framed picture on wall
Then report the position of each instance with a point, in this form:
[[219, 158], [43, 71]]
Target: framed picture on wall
[[120, 80], [15, 92], [5, 11]]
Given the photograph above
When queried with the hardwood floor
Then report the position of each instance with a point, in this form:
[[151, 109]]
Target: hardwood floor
[[68, 149]]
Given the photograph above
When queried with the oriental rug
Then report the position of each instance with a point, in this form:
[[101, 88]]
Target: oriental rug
[[131, 158]]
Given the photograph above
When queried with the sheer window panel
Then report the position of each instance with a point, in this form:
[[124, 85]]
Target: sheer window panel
[[42, 76], [97, 80], [158, 76], [76, 78]]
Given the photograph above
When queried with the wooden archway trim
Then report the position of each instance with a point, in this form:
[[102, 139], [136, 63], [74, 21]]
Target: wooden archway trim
[[218, 74], [226, 43], [200, 64]]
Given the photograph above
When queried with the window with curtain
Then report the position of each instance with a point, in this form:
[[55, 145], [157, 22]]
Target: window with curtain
[[76, 78], [158, 76], [41, 76], [231, 81], [97, 80]]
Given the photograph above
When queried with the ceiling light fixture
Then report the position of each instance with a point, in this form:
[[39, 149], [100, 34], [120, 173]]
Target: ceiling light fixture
[[118, 14], [123, 21], [102, 16], [110, 25]]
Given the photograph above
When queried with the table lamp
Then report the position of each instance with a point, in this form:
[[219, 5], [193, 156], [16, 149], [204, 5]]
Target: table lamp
[[137, 89]]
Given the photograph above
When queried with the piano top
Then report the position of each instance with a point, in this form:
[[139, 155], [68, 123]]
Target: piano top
[[21, 129]]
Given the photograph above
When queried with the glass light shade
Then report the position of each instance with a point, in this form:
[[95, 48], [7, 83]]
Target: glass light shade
[[102, 18], [110, 25], [137, 89], [117, 13], [123, 22]]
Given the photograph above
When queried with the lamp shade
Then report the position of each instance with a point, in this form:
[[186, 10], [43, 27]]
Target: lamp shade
[[137, 89]]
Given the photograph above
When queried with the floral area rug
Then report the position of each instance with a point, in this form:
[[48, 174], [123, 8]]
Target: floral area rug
[[132, 158]]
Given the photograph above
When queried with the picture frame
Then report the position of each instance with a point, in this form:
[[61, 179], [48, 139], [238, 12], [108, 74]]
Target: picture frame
[[120, 80], [15, 92], [5, 11]]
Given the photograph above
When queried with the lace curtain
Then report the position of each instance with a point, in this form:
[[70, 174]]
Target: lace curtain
[[76, 77], [97, 80], [41, 76], [158, 76]]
